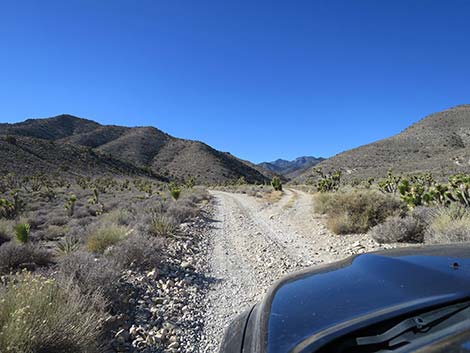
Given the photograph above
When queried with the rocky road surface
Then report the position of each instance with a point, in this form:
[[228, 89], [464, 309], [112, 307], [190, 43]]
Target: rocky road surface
[[254, 243]]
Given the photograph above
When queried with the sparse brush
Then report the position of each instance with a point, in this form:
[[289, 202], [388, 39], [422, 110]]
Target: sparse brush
[[22, 232], [104, 237], [139, 251], [45, 315], [91, 274], [6, 231], [450, 224], [358, 211], [399, 229], [68, 245], [14, 256], [161, 225]]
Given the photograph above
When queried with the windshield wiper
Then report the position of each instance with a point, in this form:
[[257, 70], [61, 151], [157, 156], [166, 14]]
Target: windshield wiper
[[420, 323]]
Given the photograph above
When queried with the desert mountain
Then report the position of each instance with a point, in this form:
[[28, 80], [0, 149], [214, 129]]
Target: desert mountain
[[439, 143], [68, 139], [291, 169]]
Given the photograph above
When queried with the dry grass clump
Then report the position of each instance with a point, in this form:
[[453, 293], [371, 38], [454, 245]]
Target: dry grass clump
[[122, 217], [398, 229], [449, 224], [138, 251], [357, 211], [273, 196], [92, 275], [162, 225], [105, 236], [14, 256], [45, 315]]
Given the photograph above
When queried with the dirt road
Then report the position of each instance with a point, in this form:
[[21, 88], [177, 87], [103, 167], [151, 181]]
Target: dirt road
[[255, 243]]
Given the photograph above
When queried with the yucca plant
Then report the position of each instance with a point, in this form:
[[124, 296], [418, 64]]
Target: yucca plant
[[276, 184], [68, 245], [22, 232]]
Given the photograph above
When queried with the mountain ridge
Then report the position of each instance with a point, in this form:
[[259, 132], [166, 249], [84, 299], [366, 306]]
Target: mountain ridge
[[438, 143], [143, 147]]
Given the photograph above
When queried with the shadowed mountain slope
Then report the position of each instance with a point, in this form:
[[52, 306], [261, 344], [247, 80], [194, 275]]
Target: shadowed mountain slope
[[439, 143], [291, 169], [143, 148]]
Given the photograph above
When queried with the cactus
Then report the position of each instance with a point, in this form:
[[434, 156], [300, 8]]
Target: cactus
[[276, 184], [70, 204], [329, 182], [390, 183], [459, 189]]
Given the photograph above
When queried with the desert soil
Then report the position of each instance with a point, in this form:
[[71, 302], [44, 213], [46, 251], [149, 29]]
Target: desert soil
[[255, 243]]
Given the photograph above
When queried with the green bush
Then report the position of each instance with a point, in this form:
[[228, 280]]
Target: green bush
[[22, 232], [104, 237], [358, 211], [449, 224], [45, 315], [175, 192], [276, 184]]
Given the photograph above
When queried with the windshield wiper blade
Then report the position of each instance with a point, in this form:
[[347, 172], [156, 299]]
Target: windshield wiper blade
[[420, 322]]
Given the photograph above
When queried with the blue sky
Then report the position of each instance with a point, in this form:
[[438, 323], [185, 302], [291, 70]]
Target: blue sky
[[261, 79]]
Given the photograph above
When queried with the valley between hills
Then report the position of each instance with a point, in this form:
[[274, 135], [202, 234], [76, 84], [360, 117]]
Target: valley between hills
[[152, 243]]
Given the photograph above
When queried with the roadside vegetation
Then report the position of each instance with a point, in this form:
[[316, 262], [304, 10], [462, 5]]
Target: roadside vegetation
[[410, 209], [67, 248]]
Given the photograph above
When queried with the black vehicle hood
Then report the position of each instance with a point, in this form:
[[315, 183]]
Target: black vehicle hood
[[308, 309]]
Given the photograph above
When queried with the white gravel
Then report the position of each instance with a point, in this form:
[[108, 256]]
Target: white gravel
[[254, 244]]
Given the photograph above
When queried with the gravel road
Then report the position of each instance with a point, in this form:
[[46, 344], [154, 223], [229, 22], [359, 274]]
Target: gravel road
[[254, 243]]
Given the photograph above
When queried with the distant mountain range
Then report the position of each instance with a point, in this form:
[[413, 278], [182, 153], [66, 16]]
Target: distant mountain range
[[291, 169], [79, 146], [439, 143]]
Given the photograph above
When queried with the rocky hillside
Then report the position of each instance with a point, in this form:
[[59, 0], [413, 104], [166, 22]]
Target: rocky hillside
[[439, 143], [139, 148], [291, 169]]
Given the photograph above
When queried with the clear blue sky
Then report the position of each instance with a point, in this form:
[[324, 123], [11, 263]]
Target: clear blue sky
[[261, 79]]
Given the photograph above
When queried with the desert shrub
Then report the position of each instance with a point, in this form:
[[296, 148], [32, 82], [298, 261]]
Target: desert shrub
[[119, 216], [58, 221], [449, 224], [53, 232], [182, 211], [10, 139], [140, 251], [358, 211], [162, 225], [398, 229], [46, 315], [92, 275], [22, 232], [6, 231], [324, 202], [104, 237], [14, 256]]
